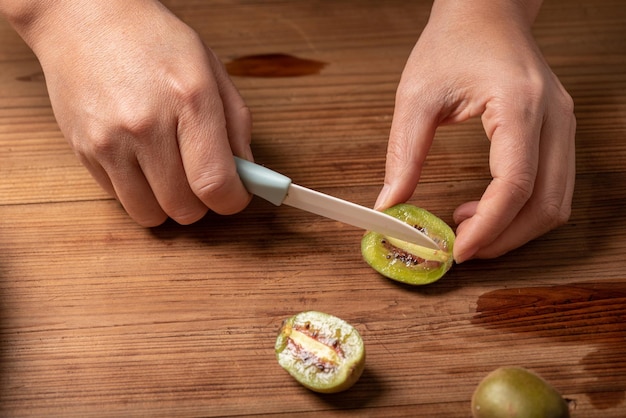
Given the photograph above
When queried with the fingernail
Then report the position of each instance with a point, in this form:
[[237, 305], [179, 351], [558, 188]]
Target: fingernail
[[382, 198], [465, 255]]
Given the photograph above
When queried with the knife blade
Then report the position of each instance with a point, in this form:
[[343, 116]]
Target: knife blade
[[278, 189]]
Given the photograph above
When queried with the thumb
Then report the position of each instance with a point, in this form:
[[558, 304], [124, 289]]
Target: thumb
[[410, 138]]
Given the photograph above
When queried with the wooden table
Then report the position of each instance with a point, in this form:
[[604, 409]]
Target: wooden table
[[100, 317]]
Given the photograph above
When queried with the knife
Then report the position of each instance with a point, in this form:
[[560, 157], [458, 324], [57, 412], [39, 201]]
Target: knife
[[278, 189]]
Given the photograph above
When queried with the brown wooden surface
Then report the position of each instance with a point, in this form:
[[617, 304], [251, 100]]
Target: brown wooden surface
[[99, 316]]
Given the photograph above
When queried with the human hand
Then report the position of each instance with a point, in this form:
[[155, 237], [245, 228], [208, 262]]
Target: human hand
[[480, 58], [149, 110]]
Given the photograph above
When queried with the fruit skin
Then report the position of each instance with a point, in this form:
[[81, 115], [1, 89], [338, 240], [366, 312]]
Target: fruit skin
[[337, 337], [393, 263], [515, 392]]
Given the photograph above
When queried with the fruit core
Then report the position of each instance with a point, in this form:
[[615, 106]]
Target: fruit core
[[307, 345], [413, 254]]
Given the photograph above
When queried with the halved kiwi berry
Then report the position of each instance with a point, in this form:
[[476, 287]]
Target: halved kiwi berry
[[322, 352], [407, 262], [517, 392]]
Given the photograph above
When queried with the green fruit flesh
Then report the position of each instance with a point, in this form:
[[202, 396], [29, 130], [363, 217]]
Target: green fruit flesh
[[517, 392], [407, 262], [322, 352]]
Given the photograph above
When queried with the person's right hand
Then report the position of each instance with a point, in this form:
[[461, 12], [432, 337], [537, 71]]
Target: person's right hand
[[149, 110]]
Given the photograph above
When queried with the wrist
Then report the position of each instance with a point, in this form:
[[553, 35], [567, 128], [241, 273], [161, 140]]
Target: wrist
[[35, 20], [54, 25], [521, 11], [23, 15]]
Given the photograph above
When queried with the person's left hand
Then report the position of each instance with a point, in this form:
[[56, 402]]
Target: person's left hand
[[487, 64]]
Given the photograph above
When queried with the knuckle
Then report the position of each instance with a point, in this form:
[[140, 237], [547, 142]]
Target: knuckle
[[567, 104], [108, 142], [554, 214], [521, 189], [190, 90], [415, 94], [535, 87], [215, 189], [98, 142], [243, 117], [138, 125], [396, 150], [212, 186]]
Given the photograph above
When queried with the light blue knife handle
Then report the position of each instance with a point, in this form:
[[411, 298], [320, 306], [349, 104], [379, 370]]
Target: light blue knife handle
[[263, 182]]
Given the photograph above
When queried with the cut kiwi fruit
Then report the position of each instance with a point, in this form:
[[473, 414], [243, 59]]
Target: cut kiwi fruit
[[408, 262], [322, 352], [511, 391]]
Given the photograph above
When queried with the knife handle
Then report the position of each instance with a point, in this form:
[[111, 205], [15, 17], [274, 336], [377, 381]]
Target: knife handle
[[262, 181]]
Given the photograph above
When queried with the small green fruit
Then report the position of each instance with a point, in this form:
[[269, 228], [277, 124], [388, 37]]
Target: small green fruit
[[322, 352], [514, 392], [407, 262]]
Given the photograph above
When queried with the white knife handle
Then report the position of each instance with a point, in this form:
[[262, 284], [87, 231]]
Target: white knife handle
[[263, 182]]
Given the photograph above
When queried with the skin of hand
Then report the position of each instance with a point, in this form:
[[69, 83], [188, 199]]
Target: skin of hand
[[148, 109], [479, 58]]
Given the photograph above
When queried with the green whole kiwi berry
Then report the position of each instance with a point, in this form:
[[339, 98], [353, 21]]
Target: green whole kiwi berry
[[322, 352], [408, 262], [515, 392]]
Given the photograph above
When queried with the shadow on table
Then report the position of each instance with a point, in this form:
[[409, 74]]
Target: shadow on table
[[366, 391]]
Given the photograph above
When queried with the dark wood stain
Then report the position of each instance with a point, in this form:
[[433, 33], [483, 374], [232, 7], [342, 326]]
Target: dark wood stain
[[563, 314], [540, 303], [273, 65]]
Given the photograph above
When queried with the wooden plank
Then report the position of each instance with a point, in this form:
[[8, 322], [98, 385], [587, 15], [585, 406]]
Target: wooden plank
[[100, 317]]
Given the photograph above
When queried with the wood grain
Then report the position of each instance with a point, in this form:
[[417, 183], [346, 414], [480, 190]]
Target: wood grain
[[100, 317]]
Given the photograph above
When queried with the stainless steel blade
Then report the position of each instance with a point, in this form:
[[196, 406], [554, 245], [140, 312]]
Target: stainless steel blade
[[355, 215]]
